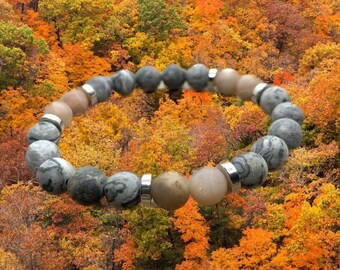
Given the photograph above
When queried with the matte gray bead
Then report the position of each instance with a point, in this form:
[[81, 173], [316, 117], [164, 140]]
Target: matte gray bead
[[86, 185], [123, 82], [43, 131], [173, 77], [272, 97], [252, 169], [148, 78], [288, 130], [198, 77], [288, 110], [273, 149], [102, 87], [123, 189], [38, 152], [53, 175]]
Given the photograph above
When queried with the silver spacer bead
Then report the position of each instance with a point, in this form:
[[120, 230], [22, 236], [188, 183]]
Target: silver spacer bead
[[145, 191], [91, 93], [211, 85], [231, 174], [53, 119], [212, 73], [161, 86], [258, 91], [186, 85]]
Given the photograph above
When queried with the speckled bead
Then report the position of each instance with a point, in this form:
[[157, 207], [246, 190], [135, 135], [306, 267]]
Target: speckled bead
[[226, 81], [288, 130], [53, 174], [173, 77], [102, 87], [122, 189], [60, 109], [272, 97], [252, 169], [198, 77], [86, 185], [40, 151], [43, 131], [288, 110], [170, 190], [123, 82], [245, 86], [148, 78], [273, 149]]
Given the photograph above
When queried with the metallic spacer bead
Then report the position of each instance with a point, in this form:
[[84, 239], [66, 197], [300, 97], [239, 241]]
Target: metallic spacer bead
[[91, 93], [186, 85], [212, 73], [231, 174], [161, 86], [211, 85], [258, 91], [145, 191], [53, 119]]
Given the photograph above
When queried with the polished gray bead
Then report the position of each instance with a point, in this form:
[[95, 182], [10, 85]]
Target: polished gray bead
[[198, 77], [53, 175], [123, 189], [252, 169], [173, 77], [148, 78], [102, 87], [43, 131], [86, 185], [38, 152], [273, 149], [272, 97], [288, 130], [288, 110], [123, 82]]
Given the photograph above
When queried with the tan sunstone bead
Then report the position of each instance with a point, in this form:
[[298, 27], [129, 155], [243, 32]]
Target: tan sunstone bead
[[60, 109], [208, 186], [77, 100], [246, 85], [226, 81], [170, 190]]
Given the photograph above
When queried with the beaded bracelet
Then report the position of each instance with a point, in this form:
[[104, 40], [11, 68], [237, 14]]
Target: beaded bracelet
[[170, 190]]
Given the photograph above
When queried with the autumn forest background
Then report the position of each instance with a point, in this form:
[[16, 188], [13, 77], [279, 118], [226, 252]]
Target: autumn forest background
[[48, 47]]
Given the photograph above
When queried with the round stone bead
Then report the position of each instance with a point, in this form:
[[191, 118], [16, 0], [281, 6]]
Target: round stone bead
[[226, 81], [273, 149], [38, 152], [43, 131], [102, 87], [86, 185], [77, 100], [288, 110], [252, 169], [148, 78], [272, 97], [60, 109], [173, 77], [170, 190], [198, 77], [288, 130], [53, 175], [246, 85], [208, 186], [123, 82], [122, 189]]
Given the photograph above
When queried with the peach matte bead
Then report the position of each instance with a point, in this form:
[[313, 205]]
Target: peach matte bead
[[170, 190], [77, 100], [208, 186], [246, 85], [226, 81], [60, 109]]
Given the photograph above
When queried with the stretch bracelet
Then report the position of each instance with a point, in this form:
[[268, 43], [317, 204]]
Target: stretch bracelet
[[170, 190]]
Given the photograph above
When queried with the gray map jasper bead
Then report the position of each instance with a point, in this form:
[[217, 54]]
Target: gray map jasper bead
[[173, 77], [102, 87], [148, 78], [273, 96], [288, 130], [123, 82], [273, 149], [38, 152], [53, 175], [86, 185], [122, 189], [288, 110], [198, 77], [43, 131], [252, 169]]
